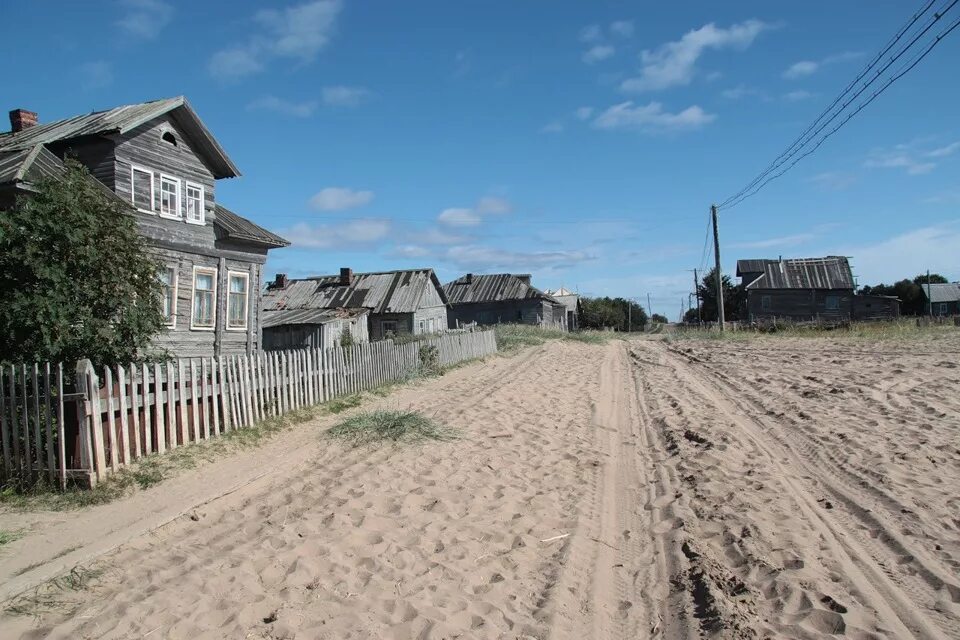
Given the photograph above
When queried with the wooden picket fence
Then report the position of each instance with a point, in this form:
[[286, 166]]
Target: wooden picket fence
[[121, 413]]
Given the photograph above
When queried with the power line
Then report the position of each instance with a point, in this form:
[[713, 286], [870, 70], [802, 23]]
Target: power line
[[809, 134]]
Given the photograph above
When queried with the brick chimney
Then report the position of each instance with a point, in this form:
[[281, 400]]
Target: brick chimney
[[469, 278], [281, 281], [346, 276], [21, 119]]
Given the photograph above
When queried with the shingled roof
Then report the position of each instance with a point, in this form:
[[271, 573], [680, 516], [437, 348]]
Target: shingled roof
[[25, 167], [381, 292], [831, 272], [123, 119], [493, 288], [237, 227]]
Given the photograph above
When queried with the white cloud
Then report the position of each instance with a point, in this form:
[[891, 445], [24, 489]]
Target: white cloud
[[286, 107], [833, 180], [945, 151], [584, 113], [591, 33], [651, 118], [488, 205], [436, 236], [345, 235], [340, 198], [459, 217], [623, 28], [597, 53], [554, 126], [298, 32], [674, 63], [782, 241], [907, 254], [96, 75], [343, 96], [944, 197], [740, 91], [481, 258], [796, 96], [801, 69], [911, 157], [144, 19], [409, 251]]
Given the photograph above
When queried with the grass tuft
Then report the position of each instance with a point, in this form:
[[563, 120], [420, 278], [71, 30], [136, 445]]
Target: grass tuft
[[6, 537], [515, 336], [56, 596], [376, 427]]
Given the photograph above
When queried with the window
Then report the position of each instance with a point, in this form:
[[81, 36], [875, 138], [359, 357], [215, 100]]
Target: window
[[237, 300], [169, 197], [141, 188], [204, 313], [168, 280], [194, 202], [766, 303], [833, 303], [943, 309], [423, 326], [388, 327], [169, 138]]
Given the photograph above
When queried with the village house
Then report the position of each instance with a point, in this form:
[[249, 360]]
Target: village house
[[572, 302], [502, 298], [160, 159], [808, 289], [943, 298], [394, 302]]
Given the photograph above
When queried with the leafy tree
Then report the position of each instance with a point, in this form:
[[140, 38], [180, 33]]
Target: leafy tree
[[618, 313], [935, 278], [734, 298], [76, 280], [912, 293], [661, 319]]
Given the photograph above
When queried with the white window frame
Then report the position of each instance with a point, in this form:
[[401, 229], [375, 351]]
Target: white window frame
[[134, 168], [179, 193], [193, 298], [246, 295], [173, 307], [186, 196]]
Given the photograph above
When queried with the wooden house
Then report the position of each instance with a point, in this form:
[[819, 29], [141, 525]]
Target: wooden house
[[160, 159], [314, 328], [502, 298], [398, 302], [572, 302], [808, 289], [944, 298]]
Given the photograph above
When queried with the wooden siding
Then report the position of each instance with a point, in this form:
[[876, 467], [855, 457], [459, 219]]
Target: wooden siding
[[799, 304], [96, 154], [315, 336], [875, 307], [531, 311]]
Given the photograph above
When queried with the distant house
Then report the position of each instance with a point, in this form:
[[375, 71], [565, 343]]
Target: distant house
[[808, 289], [160, 160], [572, 302], [945, 298], [314, 328], [500, 299], [394, 302]]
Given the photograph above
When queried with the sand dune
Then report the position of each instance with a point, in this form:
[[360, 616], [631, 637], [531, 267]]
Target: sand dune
[[765, 489]]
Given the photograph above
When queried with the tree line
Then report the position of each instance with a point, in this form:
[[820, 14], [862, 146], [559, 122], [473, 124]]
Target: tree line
[[619, 314]]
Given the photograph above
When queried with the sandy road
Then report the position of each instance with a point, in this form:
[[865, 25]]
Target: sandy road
[[632, 490]]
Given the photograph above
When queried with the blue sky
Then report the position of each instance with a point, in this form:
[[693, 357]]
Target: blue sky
[[579, 141]]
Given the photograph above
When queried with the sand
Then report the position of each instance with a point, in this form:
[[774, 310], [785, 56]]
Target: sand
[[776, 487]]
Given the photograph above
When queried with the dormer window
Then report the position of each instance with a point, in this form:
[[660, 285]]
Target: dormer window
[[169, 138]]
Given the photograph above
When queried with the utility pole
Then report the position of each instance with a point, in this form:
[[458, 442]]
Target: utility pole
[[716, 253], [696, 292], [629, 316], [649, 308], [929, 298]]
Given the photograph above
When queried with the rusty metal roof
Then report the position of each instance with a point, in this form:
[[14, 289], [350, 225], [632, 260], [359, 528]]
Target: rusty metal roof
[[278, 317], [237, 227], [491, 288], [381, 292], [831, 272], [123, 119], [943, 292]]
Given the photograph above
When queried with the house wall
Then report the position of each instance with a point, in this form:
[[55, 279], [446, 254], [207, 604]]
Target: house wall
[[799, 304], [870, 307], [96, 154], [404, 324], [530, 311], [946, 308], [315, 336]]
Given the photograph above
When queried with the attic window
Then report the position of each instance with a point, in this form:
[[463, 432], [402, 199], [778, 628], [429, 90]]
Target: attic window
[[169, 138]]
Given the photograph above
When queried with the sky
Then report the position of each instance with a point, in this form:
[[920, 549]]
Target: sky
[[582, 142]]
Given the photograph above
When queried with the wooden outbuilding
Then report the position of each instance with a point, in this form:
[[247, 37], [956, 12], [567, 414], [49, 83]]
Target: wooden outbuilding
[[314, 328], [502, 298], [944, 298]]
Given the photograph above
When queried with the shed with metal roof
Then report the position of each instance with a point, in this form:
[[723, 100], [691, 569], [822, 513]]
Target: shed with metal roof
[[502, 298]]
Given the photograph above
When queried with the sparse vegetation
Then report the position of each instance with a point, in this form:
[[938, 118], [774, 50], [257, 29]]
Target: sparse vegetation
[[377, 427], [6, 537], [514, 336], [57, 595], [904, 329]]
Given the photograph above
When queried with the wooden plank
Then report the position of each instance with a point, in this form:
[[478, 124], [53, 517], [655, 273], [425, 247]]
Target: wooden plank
[[194, 404], [48, 422], [25, 424], [111, 419], [37, 440], [258, 386], [124, 424], [244, 390], [182, 401], [158, 397], [277, 383], [215, 396], [170, 404], [61, 432], [235, 394], [134, 413], [147, 411], [230, 414], [99, 456], [5, 430], [205, 394]]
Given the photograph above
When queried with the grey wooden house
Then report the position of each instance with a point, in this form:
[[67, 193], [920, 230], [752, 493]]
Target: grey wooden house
[[502, 298], [161, 159], [571, 301], [808, 289], [945, 298], [398, 302]]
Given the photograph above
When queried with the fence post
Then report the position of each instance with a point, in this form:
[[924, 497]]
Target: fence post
[[88, 423]]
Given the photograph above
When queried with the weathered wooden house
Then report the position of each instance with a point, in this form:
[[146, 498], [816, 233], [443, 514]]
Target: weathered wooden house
[[572, 302], [161, 159], [502, 298], [808, 289], [945, 298], [397, 302], [314, 328]]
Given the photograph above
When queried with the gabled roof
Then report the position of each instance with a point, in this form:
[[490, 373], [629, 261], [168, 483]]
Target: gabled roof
[[557, 293], [280, 317], [831, 272], [26, 167], [381, 292], [943, 292], [492, 288], [122, 120], [237, 227]]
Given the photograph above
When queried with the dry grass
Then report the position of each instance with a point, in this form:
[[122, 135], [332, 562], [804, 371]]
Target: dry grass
[[515, 336], [56, 596], [384, 426], [899, 330]]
